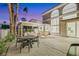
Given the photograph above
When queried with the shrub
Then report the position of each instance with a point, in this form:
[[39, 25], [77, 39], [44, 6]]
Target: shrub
[[2, 47], [9, 38], [3, 42], [29, 30]]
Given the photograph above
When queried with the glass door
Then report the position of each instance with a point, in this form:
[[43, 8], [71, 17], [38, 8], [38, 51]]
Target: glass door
[[71, 30]]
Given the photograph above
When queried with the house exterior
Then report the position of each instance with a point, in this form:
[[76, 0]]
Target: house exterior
[[63, 19]]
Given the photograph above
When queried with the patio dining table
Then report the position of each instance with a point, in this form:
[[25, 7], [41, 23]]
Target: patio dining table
[[25, 41]]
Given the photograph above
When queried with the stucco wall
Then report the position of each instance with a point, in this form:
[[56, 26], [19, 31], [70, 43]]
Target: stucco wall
[[3, 33], [62, 28], [77, 28]]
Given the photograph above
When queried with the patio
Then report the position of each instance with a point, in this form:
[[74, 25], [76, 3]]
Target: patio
[[49, 46]]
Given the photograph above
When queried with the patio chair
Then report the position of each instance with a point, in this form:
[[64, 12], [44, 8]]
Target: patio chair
[[24, 43], [36, 39]]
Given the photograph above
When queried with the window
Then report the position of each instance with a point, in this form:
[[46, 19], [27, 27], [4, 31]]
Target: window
[[55, 13], [55, 21], [69, 8], [71, 30]]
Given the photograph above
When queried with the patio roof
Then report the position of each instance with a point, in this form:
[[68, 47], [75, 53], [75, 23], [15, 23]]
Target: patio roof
[[25, 23]]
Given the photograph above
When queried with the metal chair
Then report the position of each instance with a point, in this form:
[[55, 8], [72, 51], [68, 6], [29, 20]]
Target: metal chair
[[36, 39]]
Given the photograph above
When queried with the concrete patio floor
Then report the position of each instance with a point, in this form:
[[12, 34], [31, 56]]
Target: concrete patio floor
[[49, 46]]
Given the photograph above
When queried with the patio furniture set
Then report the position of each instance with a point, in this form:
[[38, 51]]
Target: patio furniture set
[[28, 41]]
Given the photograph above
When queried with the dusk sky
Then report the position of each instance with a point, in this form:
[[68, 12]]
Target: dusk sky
[[35, 10]]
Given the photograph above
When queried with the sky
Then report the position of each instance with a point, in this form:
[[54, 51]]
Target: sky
[[35, 10]]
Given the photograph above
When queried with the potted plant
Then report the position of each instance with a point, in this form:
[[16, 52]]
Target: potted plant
[[28, 31]]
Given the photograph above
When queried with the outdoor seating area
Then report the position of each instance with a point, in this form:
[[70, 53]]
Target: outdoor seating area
[[48, 46], [27, 41], [19, 42], [31, 45]]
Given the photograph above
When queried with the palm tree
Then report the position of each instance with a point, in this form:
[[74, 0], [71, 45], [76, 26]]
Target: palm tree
[[25, 10], [10, 7], [23, 19], [16, 16], [12, 17], [4, 22], [16, 6]]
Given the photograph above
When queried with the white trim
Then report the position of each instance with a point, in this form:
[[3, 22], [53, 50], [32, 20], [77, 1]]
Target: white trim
[[54, 8]]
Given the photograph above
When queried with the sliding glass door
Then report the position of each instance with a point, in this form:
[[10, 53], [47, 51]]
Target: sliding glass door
[[71, 29]]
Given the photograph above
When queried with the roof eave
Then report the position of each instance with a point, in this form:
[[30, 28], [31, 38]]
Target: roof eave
[[62, 4]]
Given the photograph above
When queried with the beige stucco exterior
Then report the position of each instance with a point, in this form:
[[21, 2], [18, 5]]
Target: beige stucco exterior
[[68, 17]]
